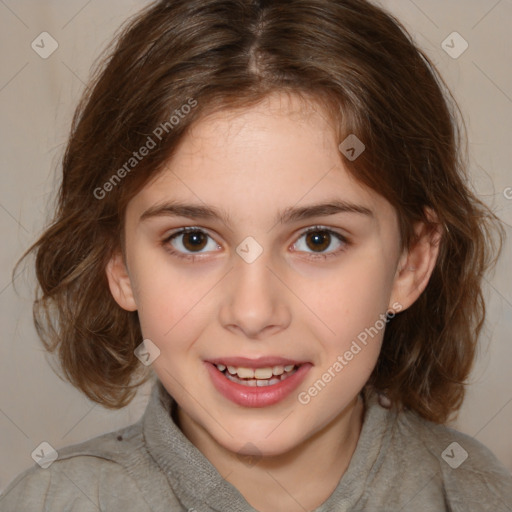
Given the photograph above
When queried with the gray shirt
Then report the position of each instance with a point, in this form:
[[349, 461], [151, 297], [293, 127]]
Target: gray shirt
[[401, 463]]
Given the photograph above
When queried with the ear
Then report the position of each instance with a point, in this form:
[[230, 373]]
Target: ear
[[416, 264], [119, 282]]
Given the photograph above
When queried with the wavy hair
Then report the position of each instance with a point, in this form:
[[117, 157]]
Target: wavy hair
[[359, 63]]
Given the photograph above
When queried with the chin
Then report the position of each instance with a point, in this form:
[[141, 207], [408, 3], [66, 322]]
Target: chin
[[262, 439]]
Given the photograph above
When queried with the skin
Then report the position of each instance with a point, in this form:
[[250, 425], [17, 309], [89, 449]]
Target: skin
[[289, 302]]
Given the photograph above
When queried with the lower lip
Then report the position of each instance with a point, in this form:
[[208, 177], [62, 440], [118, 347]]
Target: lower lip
[[263, 396]]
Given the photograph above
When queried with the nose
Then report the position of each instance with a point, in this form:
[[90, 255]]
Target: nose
[[254, 299]]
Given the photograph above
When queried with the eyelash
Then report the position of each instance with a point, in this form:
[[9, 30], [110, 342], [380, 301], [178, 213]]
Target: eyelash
[[313, 256]]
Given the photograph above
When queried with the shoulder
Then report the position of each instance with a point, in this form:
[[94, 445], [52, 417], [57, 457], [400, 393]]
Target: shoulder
[[471, 474], [89, 476]]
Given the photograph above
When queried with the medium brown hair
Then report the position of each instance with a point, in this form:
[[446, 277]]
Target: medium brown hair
[[361, 65]]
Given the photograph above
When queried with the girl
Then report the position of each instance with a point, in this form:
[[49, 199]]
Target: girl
[[265, 203]]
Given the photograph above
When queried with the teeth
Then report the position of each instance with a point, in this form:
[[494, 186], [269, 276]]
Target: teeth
[[257, 382], [233, 374], [278, 370], [247, 373], [258, 373], [260, 377], [262, 373]]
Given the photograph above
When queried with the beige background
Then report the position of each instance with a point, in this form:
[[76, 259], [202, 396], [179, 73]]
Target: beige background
[[37, 97]]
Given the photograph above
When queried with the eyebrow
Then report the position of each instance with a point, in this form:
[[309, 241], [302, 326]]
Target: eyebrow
[[288, 215]]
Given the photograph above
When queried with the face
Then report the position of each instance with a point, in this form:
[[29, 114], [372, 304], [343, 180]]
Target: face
[[262, 271]]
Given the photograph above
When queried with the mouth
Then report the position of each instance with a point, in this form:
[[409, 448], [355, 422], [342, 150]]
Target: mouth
[[256, 382], [257, 377]]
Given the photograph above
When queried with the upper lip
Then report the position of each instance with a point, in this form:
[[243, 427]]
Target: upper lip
[[260, 362]]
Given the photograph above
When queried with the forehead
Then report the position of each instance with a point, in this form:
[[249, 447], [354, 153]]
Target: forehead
[[278, 128], [280, 152]]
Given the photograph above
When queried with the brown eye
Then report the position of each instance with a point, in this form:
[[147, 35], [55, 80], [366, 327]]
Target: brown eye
[[194, 240], [190, 241], [321, 242], [318, 240]]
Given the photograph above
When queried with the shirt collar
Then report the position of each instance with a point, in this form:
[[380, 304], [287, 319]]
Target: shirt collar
[[197, 483]]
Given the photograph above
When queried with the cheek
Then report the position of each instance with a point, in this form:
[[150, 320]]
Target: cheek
[[171, 302], [353, 307], [352, 298]]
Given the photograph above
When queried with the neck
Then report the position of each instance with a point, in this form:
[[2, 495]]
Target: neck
[[286, 477]]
